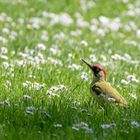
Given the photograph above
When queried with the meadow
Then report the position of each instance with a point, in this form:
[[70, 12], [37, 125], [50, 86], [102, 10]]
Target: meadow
[[44, 85]]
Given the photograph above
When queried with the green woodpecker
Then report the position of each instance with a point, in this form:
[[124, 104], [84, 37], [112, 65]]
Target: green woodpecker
[[101, 89]]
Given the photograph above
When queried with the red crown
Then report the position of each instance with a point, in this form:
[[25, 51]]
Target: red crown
[[102, 68]]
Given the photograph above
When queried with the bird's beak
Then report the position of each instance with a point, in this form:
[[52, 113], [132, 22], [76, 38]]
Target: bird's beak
[[87, 63]]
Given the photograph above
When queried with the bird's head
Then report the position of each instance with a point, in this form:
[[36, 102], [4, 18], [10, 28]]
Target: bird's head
[[98, 71]]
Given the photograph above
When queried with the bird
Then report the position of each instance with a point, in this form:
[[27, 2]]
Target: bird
[[101, 89]]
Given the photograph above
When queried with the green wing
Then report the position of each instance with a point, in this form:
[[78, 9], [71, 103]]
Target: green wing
[[104, 88]]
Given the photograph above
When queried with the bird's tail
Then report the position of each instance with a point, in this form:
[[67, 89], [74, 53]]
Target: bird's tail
[[123, 104]]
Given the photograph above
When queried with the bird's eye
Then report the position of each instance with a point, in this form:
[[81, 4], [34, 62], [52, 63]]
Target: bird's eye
[[97, 69]]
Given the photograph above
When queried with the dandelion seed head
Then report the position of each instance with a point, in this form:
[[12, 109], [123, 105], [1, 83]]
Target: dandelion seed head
[[55, 89], [21, 20], [76, 32], [54, 50], [82, 23], [5, 30], [54, 61], [4, 57], [124, 82], [29, 112], [74, 67], [130, 42], [58, 125], [84, 43], [5, 65], [133, 96], [93, 58], [41, 46], [132, 78], [44, 36], [33, 85], [84, 76], [65, 19], [59, 36], [26, 97], [4, 50], [113, 25], [84, 126], [106, 126], [135, 124], [75, 128]]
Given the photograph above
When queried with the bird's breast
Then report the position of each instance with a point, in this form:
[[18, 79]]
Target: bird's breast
[[94, 91]]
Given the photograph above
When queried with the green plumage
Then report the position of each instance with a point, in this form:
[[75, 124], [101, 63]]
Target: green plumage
[[102, 88]]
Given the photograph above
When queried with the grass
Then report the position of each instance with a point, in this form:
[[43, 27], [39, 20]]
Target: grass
[[72, 113]]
